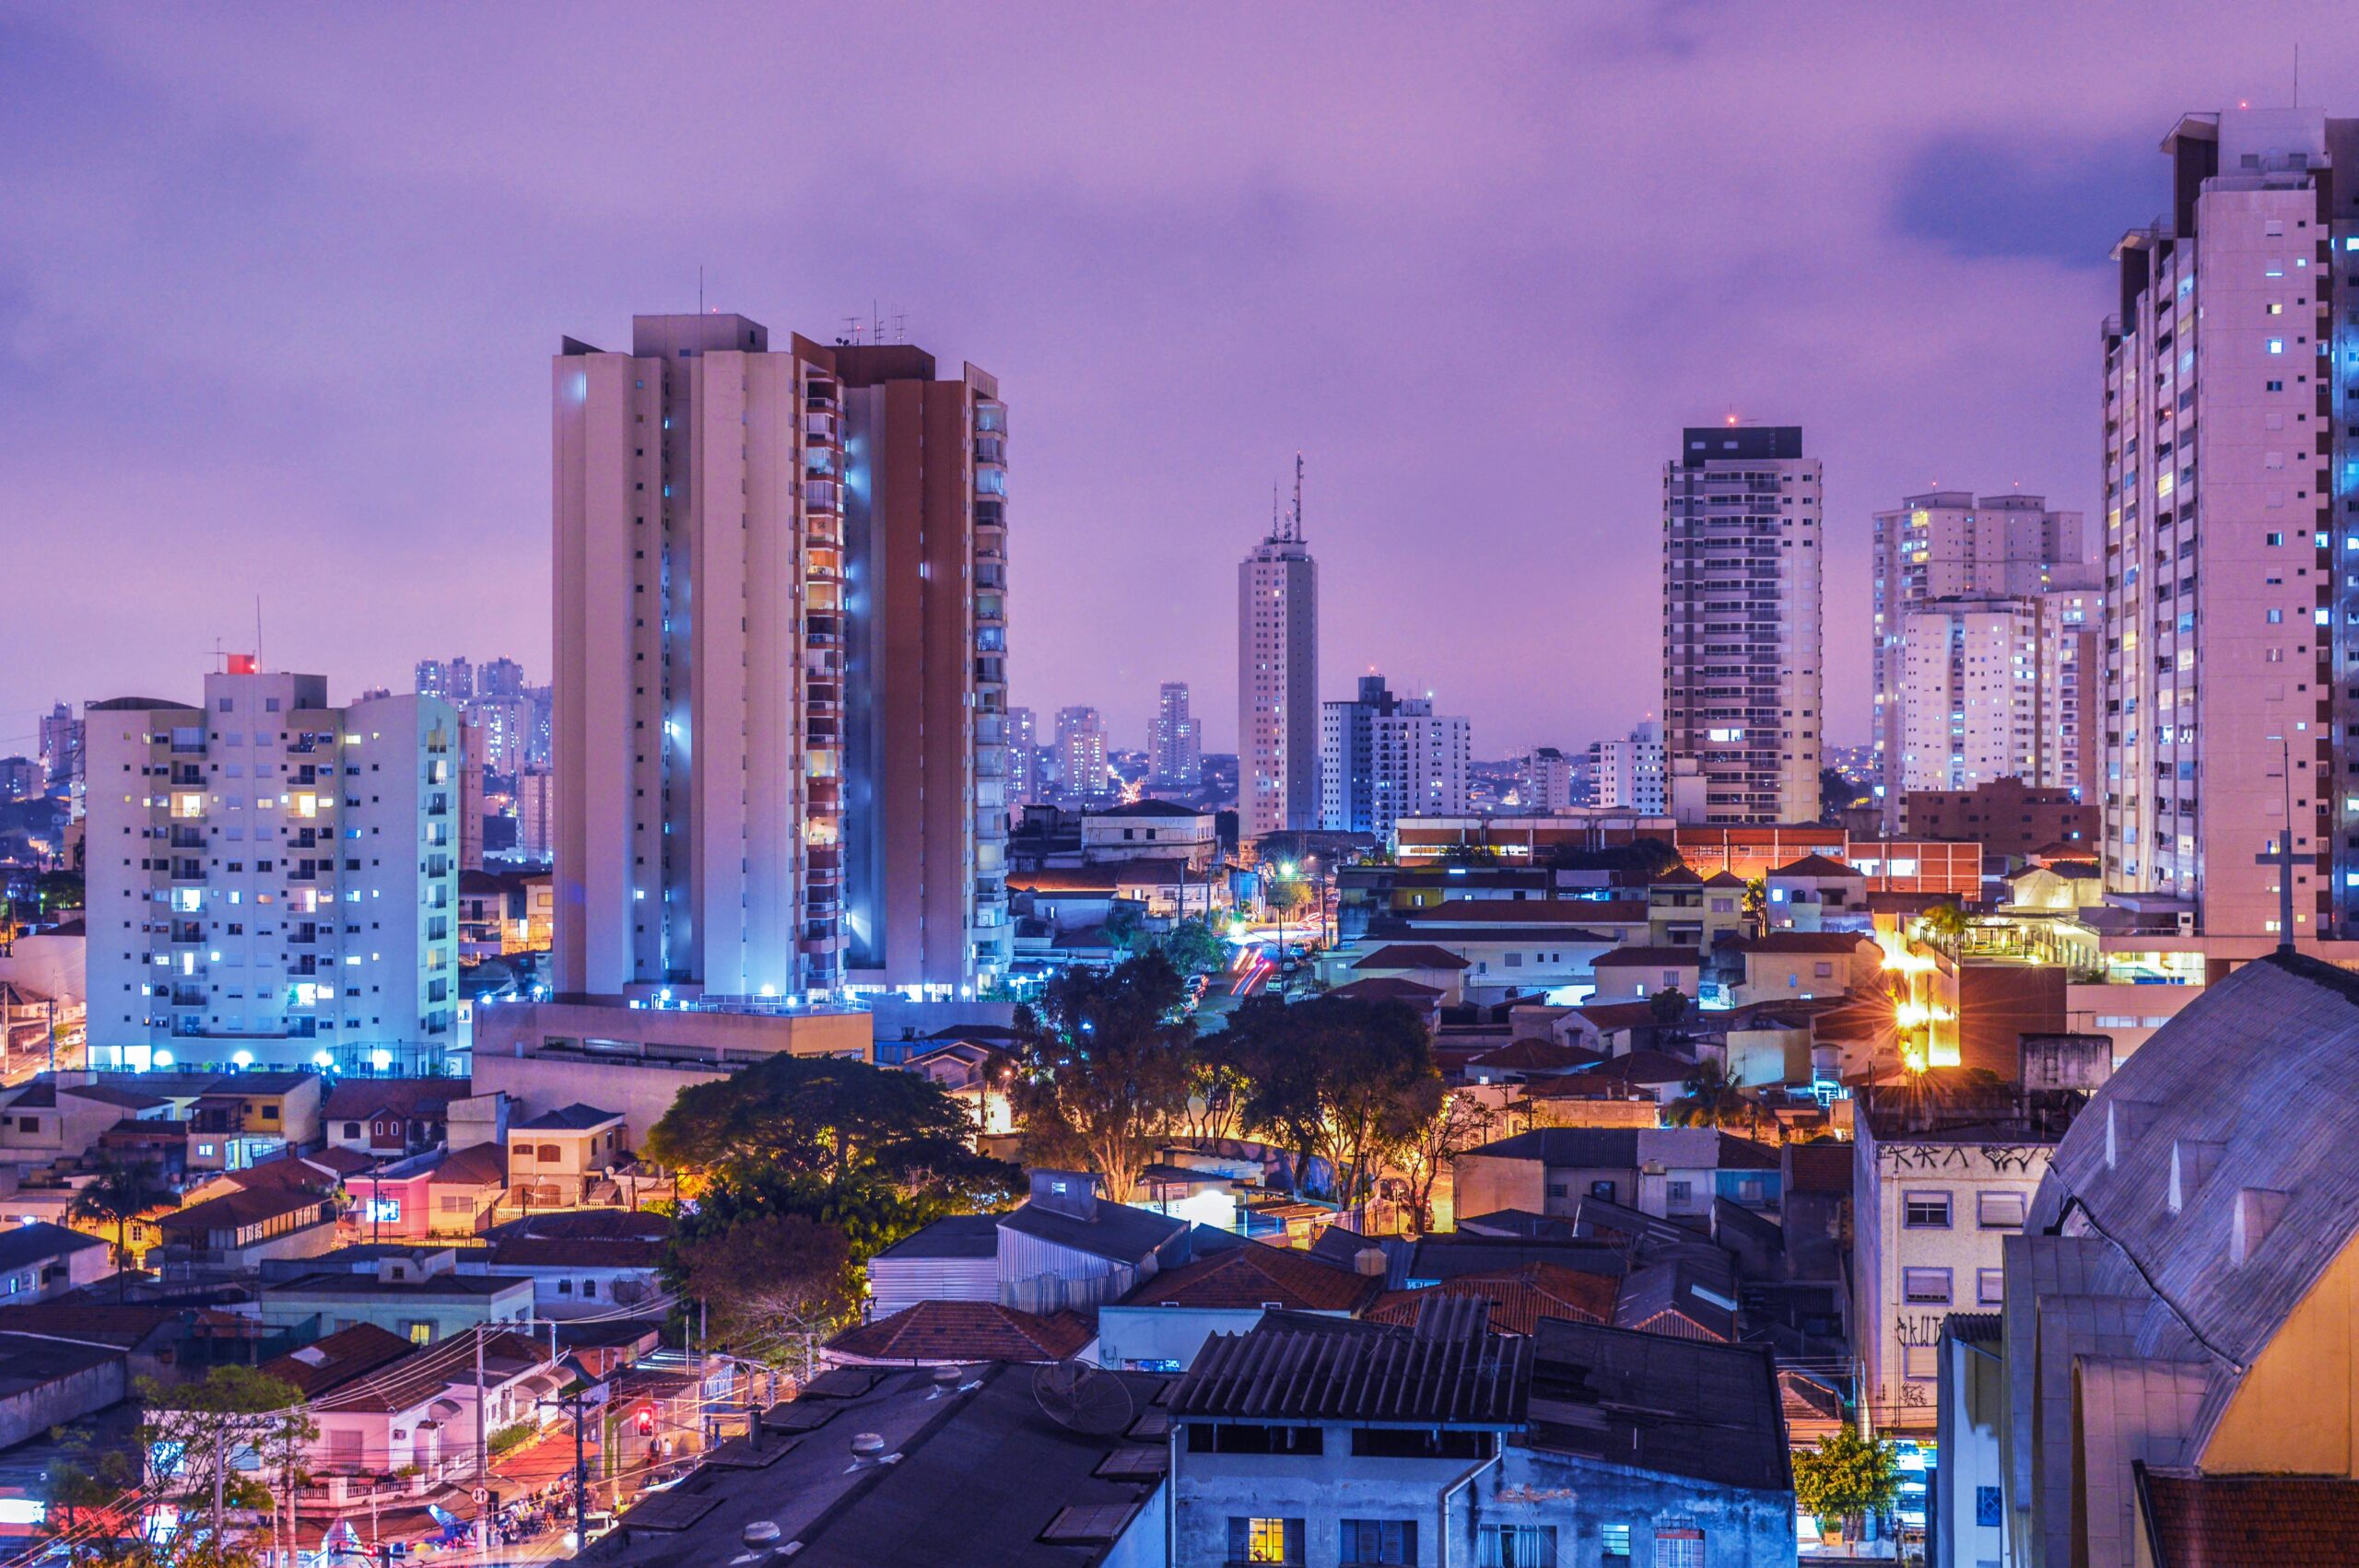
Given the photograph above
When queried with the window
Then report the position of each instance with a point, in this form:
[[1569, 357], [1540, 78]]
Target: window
[[419, 1333], [1603, 1190], [1926, 1212], [1989, 1286], [1680, 1192], [1370, 1543], [1679, 1549], [1613, 1545], [1515, 1546], [1998, 1210], [1930, 1286], [1264, 1540], [1920, 1364]]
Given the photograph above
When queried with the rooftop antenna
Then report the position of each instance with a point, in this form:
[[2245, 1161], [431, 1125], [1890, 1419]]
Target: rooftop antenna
[[1277, 525], [699, 288], [1294, 528]]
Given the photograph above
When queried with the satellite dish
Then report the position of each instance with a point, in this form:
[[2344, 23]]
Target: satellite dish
[[1082, 1399]]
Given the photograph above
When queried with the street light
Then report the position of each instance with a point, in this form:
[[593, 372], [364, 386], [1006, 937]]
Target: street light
[[1285, 873]]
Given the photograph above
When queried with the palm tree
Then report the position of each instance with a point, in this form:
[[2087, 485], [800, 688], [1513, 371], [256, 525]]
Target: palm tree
[[1712, 1100], [122, 1191], [1944, 925]]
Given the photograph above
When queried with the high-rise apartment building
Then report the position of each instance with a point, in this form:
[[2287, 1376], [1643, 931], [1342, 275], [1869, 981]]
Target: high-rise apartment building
[[1988, 688], [1347, 757], [433, 679], [1421, 765], [1277, 680], [1544, 778], [535, 812], [1628, 774], [273, 881], [1176, 762], [781, 691], [1081, 752], [61, 744], [2232, 567], [1950, 544], [500, 678], [1742, 631]]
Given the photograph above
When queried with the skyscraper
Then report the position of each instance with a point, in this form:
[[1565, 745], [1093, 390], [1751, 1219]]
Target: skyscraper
[[1277, 680], [1175, 761], [1742, 620], [1947, 544], [780, 640], [1081, 752], [2231, 603], [1543, 781], [1025, 784], [282, 882], [1347, 757]]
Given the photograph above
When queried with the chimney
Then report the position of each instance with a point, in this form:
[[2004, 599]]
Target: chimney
[[1073, 1193], [1369, 1263]]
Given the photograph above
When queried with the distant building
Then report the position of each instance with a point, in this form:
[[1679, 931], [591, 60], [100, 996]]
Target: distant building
[[1543, 781], [1026, 783], [1742, 620], [1347, 757], [1277, 681], [536, 813], [20, 777], [2006, 816], [1630, 774], [1176, 762], [1420, 765], [61, 744], [1081, 752]]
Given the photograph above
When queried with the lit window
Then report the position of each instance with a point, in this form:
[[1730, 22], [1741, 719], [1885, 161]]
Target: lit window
[[2277, 346]]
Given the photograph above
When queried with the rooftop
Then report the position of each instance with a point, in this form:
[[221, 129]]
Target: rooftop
[[575, 1117], [1117, 1232], [1680, 1406], [983, 1475], [1802, 941], [953, 1235], [1518, 1298], [1411, 955], [2193, 1520], [1816, 865], [1448, 1370], [964, 1331], [339, 1358], [24, 1246], [1259, 1275], [1647, 958]]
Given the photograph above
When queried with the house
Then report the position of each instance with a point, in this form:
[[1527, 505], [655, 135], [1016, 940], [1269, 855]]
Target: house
[[954, 1258], [1816, 892], [973, 1073], [240, 1229], [1064, 1247], [584, 1262], [1784, 965], [378, 1413], [958, 1333], [1150, 828], [1161, 1326], [2190, 1520], [996, 1464], [1517, 1297], [555, 1157], [1418, 964], [1549, 1170], [41, 1260], [1943, 1173], [438, 1193], [2181, 1295], [1635, 974], [417, 1293], [47, 1383], [390, 1116]]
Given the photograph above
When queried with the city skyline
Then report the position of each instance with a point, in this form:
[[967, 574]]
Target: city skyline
[[1918, 187]]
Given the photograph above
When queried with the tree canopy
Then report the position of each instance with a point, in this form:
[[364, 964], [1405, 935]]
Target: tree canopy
[[1338, 1077], [1105, 1061], [770, 1276], [1846, 1475], [816, 1116]]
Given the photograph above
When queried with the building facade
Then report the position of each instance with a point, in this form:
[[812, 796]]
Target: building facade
[[1628, 774], [1347, 757], [1543, 781], [1420, 765], [273, 881], [1277, 681], [1081, 752], [2232, 606], [1741, 632], [782, 640], [1176, 762]]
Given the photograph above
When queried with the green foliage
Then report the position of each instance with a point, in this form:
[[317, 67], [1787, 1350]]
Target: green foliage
[[1845, 1476], [1710, 1099], [1193, 948], [1347, 1079], [817, 1115], [507, 1439], [872, 1213], [1669, 1006], [122, 1191], [236, 1411], [1105, 1061], [770, 1273]]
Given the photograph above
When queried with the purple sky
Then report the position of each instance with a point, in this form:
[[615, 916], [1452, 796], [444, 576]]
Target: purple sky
[[278, 290]]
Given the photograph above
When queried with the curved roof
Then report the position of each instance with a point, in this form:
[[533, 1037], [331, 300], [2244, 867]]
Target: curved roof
[[2244, 1099]]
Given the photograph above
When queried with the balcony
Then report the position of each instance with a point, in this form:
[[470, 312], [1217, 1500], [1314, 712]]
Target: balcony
[[823, 425], [187, 933], [188, 871], [187, 838], [823, 495]]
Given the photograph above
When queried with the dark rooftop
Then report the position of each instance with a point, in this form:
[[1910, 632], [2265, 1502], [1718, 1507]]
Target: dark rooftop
[[1116, 1232], [23, 1246], [1259, 1275], [1445, 1257], [964, 1331], [1596, 1147], [2247, 1521], [1449, 1370], [953, 1235], [1681, 1407], [575, 1117]]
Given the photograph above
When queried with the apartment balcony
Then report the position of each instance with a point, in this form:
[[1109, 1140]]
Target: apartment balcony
[[189, 996], [992, 449], [823, 495], [828, 858], [819, 395], [823, 425], [186, 933], [188, 871], [188, 777], [187, 838], [825, 796]]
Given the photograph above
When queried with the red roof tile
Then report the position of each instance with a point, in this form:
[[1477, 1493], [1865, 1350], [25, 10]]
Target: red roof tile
[[1258, 1274], [963, 1331], [2249, 1521], [1519, 1298], [1411, 955]]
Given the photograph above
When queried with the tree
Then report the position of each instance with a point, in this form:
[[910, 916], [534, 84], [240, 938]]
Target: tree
[[770, 1279], [1710, 1099], [1218, 1088], [1755, 903], [209, 1440], [1667, 1006], [1337, 1077], [1835, 794], [1459, 1123], [1104, 1062], [820, 1116], [1845, 1476], [1944, 925], [122, 1191], [1125, 927], [1194, 948]]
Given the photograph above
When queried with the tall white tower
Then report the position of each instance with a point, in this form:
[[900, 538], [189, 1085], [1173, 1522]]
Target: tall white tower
[[1277, 680]]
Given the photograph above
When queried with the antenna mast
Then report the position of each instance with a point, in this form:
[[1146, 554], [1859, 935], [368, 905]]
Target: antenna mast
[[1294, 529]]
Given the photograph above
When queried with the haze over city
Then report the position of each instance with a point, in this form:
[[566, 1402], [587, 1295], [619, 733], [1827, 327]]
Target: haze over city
[[278, 285]]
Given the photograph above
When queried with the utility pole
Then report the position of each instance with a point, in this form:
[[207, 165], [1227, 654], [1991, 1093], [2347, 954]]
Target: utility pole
[[218, 1459], [482, 1456]]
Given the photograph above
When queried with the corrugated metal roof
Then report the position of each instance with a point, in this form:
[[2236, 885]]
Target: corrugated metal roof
[[1449, 1370]]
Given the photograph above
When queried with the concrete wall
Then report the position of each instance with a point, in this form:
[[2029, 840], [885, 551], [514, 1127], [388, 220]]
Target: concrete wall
[[1128, 1335], [32, 1411]]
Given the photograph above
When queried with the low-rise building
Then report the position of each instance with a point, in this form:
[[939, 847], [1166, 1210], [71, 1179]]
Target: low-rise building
[[41, 1260], [1150, 829], [439, 1193], [417, 1293], [390, 1116], [553, 1158], [1788, 966]]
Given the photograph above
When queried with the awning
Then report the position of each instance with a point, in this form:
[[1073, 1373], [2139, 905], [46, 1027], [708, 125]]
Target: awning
[[539, 1385], [442, 1409]]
